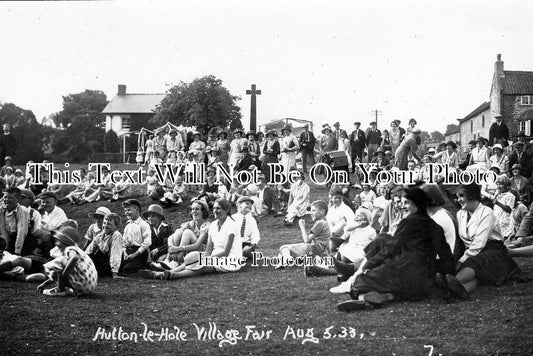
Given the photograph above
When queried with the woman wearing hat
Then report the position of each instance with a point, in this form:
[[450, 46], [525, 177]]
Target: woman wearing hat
[[160, 144], [518, 182], [271, 150], [289, 148], [408, 147], [395, 136], [253, 148], [222, 145], [191, 236], [479, 158], [236, 147], [499, 159], [485, 258], [448, 156], [149, 144], [197, 147], [160, 231], [402, 266], [298, 199], [175, 142], [224, 244]]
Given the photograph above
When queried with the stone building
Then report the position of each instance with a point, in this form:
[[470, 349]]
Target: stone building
[[475, 124], [511, 96]]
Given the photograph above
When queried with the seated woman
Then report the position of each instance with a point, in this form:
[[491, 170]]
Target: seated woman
[[191, 236], [298, 199], [222, 254], [485, 258], [121, 190], [402, 266]]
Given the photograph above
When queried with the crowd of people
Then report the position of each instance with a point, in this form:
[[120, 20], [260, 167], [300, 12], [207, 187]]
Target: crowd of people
[[387, 241]]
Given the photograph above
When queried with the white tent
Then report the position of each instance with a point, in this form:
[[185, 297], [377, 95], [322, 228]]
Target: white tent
[[297, 125]]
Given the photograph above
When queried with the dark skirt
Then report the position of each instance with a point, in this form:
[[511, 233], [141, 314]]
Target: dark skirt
[[493, 264]]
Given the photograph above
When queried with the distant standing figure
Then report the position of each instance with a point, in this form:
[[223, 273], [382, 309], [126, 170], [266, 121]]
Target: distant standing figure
[[8, 143]]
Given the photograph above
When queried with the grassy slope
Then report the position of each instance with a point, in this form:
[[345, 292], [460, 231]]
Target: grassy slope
[[495, 321]]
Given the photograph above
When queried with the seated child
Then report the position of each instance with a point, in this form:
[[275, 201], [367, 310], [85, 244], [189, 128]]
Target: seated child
[[136, 239], [106, 248], [73, 272], [20, 180], [10, 178], [178, 193], [248, 226], [253, 193], [121, 190], [160, 232], [151, 182], [315, 241], [96, 227]]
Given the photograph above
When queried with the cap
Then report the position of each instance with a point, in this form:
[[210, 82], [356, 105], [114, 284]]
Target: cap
[[129, 202], [46, 195], [28, 194], [101, 210], [245, 199]]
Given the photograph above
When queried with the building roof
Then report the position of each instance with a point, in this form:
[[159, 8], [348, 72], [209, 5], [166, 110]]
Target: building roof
[[483, 107], [133, 104], [517, 82]]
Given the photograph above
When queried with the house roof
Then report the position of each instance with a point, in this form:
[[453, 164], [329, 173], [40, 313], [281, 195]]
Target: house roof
[[133, 104], [517, 82], [483, 107]]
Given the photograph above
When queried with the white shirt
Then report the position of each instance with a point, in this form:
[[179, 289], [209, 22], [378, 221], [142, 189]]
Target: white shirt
[[478, 230], [219, 237], [251, 231], [444, 220], [137, 233], [52, 220]]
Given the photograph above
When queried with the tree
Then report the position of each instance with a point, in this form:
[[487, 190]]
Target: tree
[[424, 136], [111, 142], [203, 103], [27, 132], [437, 136], [451, 128], [83, 124]]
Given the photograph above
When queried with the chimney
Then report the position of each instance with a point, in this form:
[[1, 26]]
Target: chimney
[[121, 89], [498, 66]]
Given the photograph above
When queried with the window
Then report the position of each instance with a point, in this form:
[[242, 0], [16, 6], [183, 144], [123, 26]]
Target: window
[[483, 121], [126, 123], [526, 127], [527, 99]]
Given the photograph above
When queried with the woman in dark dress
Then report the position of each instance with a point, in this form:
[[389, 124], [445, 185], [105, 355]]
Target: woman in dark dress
[[402, 266], [271, 151]]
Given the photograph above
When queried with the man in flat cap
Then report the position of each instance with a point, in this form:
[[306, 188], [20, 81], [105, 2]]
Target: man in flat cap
[[307, 143], [357, 144], [498, 132], [373, 139]]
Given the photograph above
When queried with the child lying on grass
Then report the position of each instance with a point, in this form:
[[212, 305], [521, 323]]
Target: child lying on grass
[[73, 272]]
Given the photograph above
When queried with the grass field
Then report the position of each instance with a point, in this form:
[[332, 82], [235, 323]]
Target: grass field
[[299, 312]]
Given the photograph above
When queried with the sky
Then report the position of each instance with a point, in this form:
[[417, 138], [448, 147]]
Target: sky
[[324, 61]]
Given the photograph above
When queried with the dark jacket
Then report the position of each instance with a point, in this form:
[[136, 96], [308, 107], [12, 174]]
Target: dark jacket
[[359, 142], [307, 141], [498, 134]]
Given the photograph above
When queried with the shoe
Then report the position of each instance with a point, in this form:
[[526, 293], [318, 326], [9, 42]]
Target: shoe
[[157, 266], [55, 293], [340, 289], [456, 287], [378, 299], [354, 305], [147, 274]]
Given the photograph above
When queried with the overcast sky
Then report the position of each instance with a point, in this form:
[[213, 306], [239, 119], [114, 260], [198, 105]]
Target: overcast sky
[[324, 61]]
